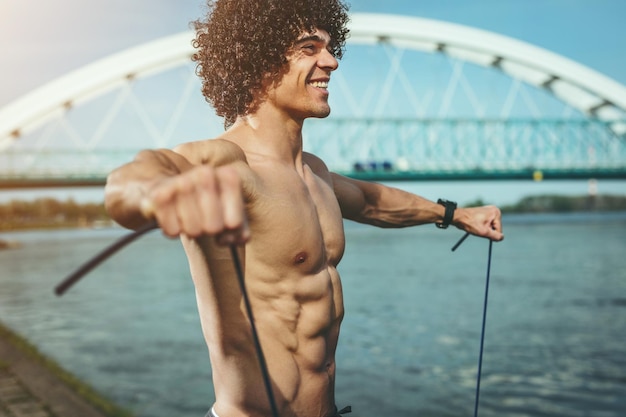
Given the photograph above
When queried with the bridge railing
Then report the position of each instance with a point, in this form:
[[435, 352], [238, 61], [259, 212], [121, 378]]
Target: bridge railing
[[387, 149], [466, 148]]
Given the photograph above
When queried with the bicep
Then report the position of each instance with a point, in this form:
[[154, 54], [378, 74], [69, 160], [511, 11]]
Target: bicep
[[382, 206], [350, 195]]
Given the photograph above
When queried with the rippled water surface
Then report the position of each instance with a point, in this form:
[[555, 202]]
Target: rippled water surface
[[556, 326]]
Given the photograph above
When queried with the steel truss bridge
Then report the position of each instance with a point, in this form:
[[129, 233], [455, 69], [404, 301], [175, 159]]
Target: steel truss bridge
[[550, 118]]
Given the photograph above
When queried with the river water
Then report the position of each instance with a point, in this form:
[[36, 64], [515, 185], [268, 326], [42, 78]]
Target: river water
[[555, 337]]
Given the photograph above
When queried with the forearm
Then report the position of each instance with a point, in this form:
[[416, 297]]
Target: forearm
[[129, 184], [397, 208], [392, 207], [384, 206]]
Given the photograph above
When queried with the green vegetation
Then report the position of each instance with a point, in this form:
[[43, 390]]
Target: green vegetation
[[46, 213], [567, 204], [82, 389], [553, 203]]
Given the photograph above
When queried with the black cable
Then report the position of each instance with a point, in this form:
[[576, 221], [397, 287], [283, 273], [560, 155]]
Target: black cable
[[255, 335], [81, 271], [465, 236], [482, 332], [75, 276]]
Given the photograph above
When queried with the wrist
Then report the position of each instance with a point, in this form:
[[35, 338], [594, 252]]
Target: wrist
[[448, 215]]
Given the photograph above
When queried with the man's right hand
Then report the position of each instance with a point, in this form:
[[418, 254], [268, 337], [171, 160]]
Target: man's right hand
[[200, 201]]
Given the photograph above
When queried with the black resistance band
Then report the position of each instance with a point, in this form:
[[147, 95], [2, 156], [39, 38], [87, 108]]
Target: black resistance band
[[482, 332], [80, 272], [255, 334]]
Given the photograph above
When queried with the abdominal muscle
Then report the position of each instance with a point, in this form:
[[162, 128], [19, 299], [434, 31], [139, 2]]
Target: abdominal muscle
[[297, 317], [295, 293]]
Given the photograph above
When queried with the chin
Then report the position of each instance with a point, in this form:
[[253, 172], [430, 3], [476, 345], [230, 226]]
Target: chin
[[321, 113]]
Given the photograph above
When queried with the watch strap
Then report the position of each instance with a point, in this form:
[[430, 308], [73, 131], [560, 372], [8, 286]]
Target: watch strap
[[450, 206]]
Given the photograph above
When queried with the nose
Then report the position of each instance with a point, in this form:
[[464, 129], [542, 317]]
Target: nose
[[327, 61]]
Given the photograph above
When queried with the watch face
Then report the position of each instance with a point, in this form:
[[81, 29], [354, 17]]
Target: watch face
[[446, 203]]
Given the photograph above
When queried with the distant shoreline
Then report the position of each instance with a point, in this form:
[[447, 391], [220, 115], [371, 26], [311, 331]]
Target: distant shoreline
[[559, 218], [51, 224], [48, 213], [568, 204]]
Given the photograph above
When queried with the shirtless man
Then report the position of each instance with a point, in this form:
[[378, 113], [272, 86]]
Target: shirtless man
[[266, 70]]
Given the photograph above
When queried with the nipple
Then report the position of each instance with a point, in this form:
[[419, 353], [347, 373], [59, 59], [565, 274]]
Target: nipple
[[301, 258]]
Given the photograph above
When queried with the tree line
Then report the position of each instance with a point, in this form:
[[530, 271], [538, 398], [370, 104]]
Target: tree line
[[51, 213], [567, 204]]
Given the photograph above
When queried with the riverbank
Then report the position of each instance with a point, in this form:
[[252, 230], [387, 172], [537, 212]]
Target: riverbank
[[48, 213], [9, 244], [32, 385]]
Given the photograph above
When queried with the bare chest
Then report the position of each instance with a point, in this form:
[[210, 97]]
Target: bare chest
[[296, 222]]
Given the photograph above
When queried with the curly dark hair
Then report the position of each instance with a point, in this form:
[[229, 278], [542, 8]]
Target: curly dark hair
[[241, 43]]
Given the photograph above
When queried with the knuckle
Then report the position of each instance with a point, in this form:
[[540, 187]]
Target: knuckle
[[205, 179], [213, 225], [229, 175], [160, 196]]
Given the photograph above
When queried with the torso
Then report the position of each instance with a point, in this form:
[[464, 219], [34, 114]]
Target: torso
[[291, 278]]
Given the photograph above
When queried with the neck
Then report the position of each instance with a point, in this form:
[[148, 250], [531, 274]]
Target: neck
[[269, 133]]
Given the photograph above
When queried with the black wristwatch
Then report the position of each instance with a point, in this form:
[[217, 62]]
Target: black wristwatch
[[449, 214]]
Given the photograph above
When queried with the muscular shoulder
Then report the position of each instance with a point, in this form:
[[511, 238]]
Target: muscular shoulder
[[318, 166], [220, 152], [214, 152]]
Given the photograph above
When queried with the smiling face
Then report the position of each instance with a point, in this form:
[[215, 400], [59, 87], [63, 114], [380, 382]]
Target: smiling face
[[302, 91]]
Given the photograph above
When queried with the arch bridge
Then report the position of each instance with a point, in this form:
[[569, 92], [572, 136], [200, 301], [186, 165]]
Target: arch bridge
[[416, 99]]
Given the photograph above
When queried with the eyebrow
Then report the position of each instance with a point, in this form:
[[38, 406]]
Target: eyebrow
[[314, 38]]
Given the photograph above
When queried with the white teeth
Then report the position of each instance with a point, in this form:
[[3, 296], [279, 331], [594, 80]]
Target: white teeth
[[319, 84]]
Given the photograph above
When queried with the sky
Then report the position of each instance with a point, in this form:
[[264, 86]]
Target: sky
[[42, 40]]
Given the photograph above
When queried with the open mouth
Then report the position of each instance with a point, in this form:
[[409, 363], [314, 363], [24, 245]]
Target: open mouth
[[319, 84]]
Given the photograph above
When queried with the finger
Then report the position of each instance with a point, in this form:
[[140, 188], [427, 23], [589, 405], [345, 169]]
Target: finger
[[208, 200], [149, 212], [233, 206], [199, 207], [146, 208], [167, 219], [159, 206], [497, 219], [188, 212], [494, 232], [495, 236], [231, 198], [496, 225]]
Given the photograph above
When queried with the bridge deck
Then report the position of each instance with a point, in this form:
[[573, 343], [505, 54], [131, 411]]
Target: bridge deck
[[381, 176]]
